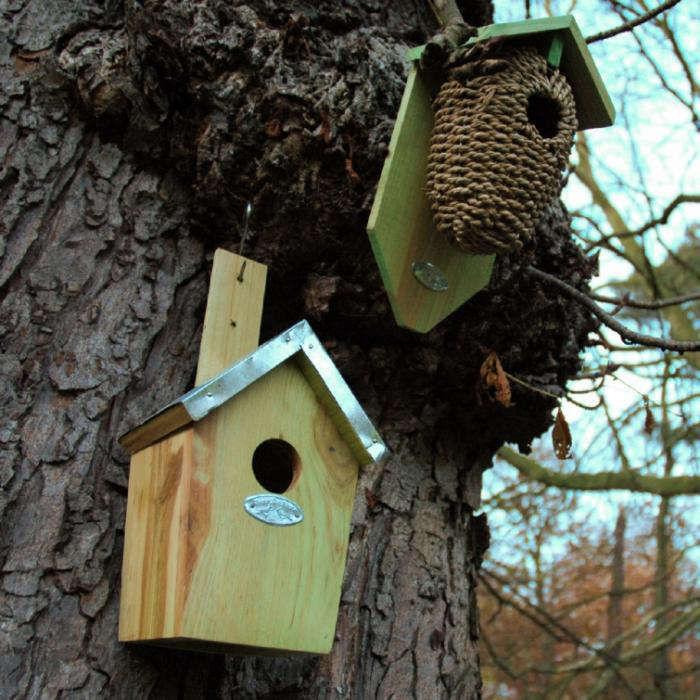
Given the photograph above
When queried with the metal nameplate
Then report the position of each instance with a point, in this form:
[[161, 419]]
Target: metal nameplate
[[273, 510], [430, 276]]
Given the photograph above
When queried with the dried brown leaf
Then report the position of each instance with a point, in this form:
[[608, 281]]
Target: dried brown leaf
[[495, 380], [273, 128], [325, 132], [649, 421], [561, 437], [350, 170]]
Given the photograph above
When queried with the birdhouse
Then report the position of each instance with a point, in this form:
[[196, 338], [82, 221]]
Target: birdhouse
[[475, 157], [239, 504]]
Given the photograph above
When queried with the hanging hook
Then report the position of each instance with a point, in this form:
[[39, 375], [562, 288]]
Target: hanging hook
[[246, 219]]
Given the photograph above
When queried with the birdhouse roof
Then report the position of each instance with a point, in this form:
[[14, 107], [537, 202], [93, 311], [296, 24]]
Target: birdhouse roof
[[298, 343], [593, 105]]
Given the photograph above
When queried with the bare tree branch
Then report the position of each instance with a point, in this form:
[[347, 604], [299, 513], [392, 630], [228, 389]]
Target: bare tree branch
[[688, 104], [610, 322], [679, 320], [495, 657], [628, 26], [548, 623], [660, 638], [529, 386], [610, 368], [601, 481], [647, 303], [446, 12], [680, 199]]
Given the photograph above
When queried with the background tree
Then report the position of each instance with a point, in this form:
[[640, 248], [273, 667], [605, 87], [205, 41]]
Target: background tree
[[633, 194], [132, 136]]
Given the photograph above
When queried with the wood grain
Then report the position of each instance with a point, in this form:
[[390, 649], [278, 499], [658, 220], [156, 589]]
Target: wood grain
[[165, 422], [155, 519], [233, 315], [258, 585], [231, 331], [198, 569]]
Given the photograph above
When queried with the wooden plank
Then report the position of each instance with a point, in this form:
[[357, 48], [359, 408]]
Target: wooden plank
[[556, 48], [198, 570], [594, 107], [231, 331], [151, 591], [525, 27], [168, 421], [286, 587], [401, 228], [162, 527], [233, 315]]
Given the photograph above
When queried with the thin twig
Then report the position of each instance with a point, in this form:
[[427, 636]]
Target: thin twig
[[590, 390], [625, 333], [647, 303], [644, 396], [663, 219], [595, 407], [602, 372], [628, 26], [529, 386]]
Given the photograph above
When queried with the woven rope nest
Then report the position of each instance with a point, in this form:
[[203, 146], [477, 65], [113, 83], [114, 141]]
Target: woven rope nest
[[503, 131]]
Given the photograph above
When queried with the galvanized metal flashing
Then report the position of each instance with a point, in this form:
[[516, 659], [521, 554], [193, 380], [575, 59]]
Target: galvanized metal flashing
[[299, 343]]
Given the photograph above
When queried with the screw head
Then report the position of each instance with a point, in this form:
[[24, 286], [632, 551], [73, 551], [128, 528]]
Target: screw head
[[430, 275]]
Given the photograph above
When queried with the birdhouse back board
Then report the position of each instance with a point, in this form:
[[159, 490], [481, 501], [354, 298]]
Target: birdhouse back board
[[234, 313], [401, 228], [199, 570]]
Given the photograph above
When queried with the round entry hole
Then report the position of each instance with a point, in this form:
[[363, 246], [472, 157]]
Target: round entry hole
[[543, 113], [275, 464]]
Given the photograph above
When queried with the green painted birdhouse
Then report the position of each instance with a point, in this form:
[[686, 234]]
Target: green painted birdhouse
[[475, 157]]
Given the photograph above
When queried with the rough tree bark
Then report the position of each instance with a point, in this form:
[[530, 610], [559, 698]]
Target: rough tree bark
[[132, 134]]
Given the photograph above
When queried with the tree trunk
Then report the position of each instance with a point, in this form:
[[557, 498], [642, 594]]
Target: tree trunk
[[615, 609], [662, 664], [661, 668], [132, 135]]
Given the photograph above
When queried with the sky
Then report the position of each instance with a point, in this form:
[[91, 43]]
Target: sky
[[642, 162], [651, 151]]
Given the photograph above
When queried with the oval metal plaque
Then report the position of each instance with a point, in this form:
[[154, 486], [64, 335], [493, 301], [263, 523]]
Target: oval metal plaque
[[273, 509], [430, 275]]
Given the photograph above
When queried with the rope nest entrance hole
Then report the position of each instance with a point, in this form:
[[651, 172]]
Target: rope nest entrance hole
[[503, 130]]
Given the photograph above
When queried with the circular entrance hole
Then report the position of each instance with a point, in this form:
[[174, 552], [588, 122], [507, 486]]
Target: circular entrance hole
[[543, 113], [275, 464]]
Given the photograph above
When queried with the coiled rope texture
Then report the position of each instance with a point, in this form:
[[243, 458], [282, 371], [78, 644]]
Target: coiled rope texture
[[490, 171]]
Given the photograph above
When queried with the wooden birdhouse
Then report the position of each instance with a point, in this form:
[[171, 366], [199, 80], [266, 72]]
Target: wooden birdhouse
[[240, 496], [476, 155]]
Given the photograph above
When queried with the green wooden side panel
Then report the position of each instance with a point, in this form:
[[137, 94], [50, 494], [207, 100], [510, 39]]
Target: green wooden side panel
[[556, 48], [594, 107], [401, 227]]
